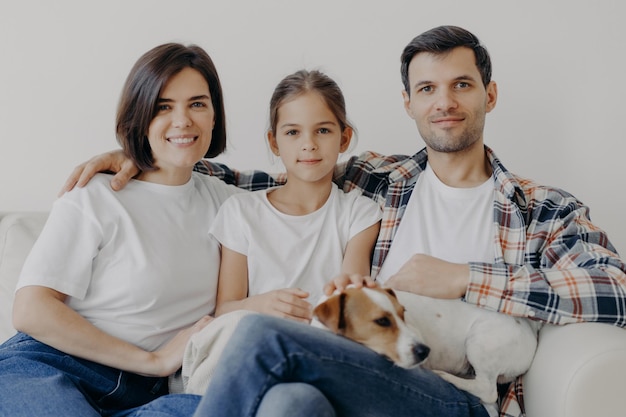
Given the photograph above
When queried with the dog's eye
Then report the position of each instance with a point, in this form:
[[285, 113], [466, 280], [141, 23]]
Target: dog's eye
[[383, 322]]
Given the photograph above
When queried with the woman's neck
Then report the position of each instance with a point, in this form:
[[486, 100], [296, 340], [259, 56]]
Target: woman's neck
[[166, 177]]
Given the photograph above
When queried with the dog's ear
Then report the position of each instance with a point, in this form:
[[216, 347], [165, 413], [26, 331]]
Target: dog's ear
[[330, 313], [391, 292]]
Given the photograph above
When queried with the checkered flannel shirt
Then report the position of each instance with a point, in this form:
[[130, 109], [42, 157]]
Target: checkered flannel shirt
[[551, 262]]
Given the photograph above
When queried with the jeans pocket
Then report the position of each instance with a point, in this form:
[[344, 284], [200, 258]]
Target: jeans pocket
[[133, 390]]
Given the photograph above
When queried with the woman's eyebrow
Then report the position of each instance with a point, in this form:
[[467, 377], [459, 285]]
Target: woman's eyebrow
[[194, 98], [200, 97]]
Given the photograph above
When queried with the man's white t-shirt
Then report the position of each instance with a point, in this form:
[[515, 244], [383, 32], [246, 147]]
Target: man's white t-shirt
[[453, 224], [138, 263], [286, 251]]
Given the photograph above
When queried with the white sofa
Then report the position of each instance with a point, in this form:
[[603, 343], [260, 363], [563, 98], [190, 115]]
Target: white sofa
[[579, 370]]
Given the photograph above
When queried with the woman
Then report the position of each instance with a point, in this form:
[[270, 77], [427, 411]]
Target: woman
[[118, 281]]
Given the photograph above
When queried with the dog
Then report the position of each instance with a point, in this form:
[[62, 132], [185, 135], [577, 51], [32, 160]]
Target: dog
[[375, 318], [472, 348]]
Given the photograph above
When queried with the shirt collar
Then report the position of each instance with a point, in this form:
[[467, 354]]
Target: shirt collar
[[408, 169]]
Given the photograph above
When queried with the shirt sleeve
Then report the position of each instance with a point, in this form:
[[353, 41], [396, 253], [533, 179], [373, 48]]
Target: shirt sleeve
[[230, 226], [570, 272], [251, 180], [67, 231], [364, 214]]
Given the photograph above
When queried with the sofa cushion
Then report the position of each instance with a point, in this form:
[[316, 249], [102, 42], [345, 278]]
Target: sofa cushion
[[18, 232]]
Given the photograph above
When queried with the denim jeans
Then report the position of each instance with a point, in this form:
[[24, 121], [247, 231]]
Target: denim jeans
[[38, 380], [294, 399], [265, 352]]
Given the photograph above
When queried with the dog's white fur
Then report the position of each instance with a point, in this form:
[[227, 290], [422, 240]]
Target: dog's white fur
[[470, 347]]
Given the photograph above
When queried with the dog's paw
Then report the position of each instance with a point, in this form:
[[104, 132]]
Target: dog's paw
[[443, 374], [481, 387]]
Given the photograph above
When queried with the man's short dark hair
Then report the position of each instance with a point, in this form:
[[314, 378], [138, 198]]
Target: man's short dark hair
[[442, 40]]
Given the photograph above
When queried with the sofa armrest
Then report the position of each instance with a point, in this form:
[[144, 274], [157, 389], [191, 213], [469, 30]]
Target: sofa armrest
[[18, 232], [578, 371]]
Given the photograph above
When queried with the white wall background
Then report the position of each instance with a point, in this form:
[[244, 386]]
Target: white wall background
[[559, 65]]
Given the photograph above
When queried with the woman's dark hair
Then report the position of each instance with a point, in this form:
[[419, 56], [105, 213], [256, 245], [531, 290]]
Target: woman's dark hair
[[138, 101], [304, 81], [441, 40]]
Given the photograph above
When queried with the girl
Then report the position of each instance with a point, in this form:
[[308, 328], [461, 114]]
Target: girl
[[280, 246], [109, 295]]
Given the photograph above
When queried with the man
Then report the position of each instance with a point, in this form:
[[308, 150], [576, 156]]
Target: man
[[456, 224]]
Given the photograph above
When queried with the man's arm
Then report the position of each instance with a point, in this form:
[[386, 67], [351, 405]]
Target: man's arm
[[118, 163], [431, 277], [248, 180], [124, 169], [115, 161], [570, 271]]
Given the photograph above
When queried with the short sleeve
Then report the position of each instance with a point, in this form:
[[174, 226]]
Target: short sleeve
[[230, 225], [62, 256], [364, 213]]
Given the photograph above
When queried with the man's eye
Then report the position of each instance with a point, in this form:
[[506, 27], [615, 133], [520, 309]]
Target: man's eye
[[463, 84], [426, 89]]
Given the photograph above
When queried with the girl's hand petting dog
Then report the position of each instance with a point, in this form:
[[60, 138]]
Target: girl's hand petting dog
[[287, 303], [342, 281]]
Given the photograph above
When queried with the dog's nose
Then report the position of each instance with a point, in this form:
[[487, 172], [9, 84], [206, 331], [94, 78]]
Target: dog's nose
[[421, 351]]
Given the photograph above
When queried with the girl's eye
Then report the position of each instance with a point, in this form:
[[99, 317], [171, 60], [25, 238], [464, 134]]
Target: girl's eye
[[291, 132], [324, 130], [198, 104], [163, 107]]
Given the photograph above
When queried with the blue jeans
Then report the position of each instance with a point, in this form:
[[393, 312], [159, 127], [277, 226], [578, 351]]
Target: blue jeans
[[38, 380], [294, 399], [266, 352]]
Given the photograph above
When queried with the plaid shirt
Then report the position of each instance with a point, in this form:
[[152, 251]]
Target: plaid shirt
[[551, 263]]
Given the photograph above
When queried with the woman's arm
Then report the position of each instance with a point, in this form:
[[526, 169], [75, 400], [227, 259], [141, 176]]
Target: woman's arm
[[41, 312], [232, 292]]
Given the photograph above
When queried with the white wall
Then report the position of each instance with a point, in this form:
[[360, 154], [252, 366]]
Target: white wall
[[559, 65]]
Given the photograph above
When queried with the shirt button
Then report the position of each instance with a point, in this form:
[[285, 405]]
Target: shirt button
[[531, 313]]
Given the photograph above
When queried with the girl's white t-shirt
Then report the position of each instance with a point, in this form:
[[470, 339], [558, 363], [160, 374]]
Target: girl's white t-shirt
[[286, 251], [453, 224], [139, 263]]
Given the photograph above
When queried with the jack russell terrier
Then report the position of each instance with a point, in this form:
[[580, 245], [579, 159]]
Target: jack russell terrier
[[472, 348]]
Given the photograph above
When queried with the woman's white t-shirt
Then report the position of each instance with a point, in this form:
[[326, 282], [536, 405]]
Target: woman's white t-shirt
[[138, 263], [286, 251]]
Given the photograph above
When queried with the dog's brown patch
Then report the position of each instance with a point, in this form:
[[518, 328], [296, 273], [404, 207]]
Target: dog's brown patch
[[356, 316]]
